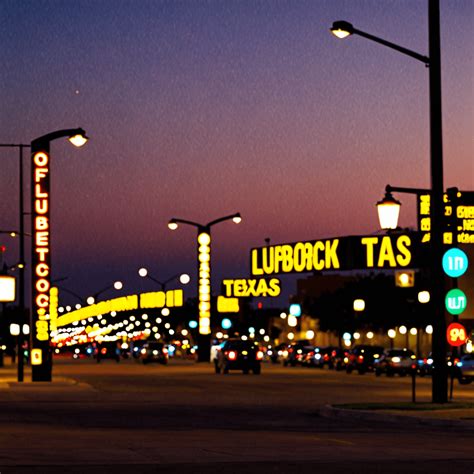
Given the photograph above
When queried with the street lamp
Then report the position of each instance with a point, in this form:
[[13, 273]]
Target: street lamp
[[204, 277], [343, 29], [117, 285], [183, 278], [42, 362]]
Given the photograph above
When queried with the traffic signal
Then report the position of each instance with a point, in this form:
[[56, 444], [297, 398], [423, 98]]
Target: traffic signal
[[405, 278]]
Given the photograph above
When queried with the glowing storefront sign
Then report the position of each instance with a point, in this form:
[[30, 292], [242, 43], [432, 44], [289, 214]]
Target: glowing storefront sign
[[7, 289], [259, 287], [227, 305], [461, 216], [455, 301], [53, 308], [157, 299], [344, 253], [204, 288]]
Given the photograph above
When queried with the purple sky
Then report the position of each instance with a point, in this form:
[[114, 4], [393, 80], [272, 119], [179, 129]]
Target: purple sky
[[198, 109]]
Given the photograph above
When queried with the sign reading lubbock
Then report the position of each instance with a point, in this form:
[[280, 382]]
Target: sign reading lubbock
[[344, 253], [41, 259]]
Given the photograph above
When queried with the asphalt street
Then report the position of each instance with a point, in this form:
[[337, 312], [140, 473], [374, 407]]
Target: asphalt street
[[130, 417]]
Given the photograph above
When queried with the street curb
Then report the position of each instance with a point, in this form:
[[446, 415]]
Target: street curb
[[328, 411]]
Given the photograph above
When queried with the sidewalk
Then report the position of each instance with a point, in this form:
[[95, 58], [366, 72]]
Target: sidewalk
[[454, 415], [9, 382]]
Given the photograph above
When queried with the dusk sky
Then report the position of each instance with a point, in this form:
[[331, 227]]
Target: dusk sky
[[199, 109]]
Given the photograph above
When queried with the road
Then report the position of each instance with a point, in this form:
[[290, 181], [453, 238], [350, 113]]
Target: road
[[129, 417]]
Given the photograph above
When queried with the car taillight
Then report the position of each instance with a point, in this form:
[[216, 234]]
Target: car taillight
[[165, 351], [361, 357], [259, 355], [103, 350], [231, 355]]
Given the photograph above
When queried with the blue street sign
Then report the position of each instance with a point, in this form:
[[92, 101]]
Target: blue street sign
[[455, 263]]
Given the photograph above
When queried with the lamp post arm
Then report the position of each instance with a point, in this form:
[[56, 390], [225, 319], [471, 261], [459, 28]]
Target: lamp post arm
[[67, 132], [72, 293], [221, 219], [96, 295], [424, 59], [184, 221], [161, 283], [397, 189]]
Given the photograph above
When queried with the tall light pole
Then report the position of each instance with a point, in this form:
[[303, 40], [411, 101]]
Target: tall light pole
[[183, 278], [204, 279], [343, 29], [41, 354], [21, 267]]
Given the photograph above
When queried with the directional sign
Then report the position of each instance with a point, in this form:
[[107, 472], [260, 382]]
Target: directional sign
[[456, 301], [455, 263], [456, 334]]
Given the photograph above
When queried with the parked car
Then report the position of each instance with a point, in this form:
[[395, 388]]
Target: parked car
[[339, 358], [295, 353], [107, 350], [396, 361], [465, 369], [362, 358], [154, 352], [322, 357], [236, 354]]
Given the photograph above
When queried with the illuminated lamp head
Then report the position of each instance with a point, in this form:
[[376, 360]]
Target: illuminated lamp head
[[78, 140], [342, 29], [388, 210], [143, 272], [237, 219], [184, 278], [172, 224], [118, 285]]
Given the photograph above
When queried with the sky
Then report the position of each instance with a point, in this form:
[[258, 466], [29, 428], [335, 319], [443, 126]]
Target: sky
[[200, 109]]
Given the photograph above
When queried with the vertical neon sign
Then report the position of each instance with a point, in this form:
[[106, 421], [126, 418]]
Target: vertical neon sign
[[41, 257], [204, 258]]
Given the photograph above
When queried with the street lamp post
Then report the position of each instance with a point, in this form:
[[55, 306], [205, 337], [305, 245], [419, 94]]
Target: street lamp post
[[117, 285], [41, 355], [21, 233], [343, 29], [183, 278], [204, 279]]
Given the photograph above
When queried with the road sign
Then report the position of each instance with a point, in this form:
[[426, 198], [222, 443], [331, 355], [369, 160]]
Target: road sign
[[455, 263], [456, 334], [456, 301]]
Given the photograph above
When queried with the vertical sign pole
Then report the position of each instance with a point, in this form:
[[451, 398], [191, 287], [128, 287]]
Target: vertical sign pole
[[41, 353]]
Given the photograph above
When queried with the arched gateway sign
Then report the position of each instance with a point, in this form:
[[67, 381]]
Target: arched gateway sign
[[343, 253]]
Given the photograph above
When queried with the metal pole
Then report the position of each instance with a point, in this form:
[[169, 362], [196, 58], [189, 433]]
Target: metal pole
[[439, 344], [21, 276]]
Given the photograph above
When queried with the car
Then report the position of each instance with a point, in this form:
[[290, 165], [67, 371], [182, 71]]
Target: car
[[396, 361], [295, 352], [362, 358], [339, 358], [464, 370], [322, 356], [107, 350], [236, 354], [154, 352]]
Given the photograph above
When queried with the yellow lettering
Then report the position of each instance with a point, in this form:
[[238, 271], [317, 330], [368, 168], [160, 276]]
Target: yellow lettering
[[404, 258], [42, 239], [318, 263], [331, 254], [41, 206], [287, 253], [369, 243], [386, 253], [39, 193], [255, 268]]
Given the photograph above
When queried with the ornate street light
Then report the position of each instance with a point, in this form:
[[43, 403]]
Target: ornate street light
[[204, 278], [344, 29], [388, 210], [41, 355]]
